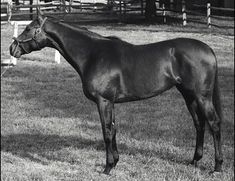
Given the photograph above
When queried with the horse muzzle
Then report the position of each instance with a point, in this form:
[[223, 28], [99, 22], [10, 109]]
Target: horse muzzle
[[15, 50]]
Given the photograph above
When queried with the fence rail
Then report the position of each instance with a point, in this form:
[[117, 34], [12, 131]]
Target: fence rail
[[207, 11], [121, 6], [214, 8]]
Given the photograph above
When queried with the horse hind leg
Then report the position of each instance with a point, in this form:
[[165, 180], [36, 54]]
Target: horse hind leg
[[114, 143], [199, 122], [214, 122]]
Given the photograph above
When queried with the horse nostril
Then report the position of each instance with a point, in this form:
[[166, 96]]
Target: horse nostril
[[11, 48]]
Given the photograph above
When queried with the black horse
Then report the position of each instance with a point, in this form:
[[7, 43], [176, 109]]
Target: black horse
[[115, 71]]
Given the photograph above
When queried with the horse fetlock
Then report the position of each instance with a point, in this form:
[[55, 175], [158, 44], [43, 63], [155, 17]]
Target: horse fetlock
[[198, 154], [116, 159], [197, 157]]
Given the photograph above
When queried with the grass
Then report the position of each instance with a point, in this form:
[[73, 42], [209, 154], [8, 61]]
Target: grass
[[50, 131]]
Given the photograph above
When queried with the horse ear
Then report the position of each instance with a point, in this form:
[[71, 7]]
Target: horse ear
[[39, 15], [39, 12]]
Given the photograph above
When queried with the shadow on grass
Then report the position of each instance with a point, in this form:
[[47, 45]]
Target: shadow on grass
[[27, 145], [46, 147]]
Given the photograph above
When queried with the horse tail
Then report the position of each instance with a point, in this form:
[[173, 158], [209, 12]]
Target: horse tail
[[216, 97]]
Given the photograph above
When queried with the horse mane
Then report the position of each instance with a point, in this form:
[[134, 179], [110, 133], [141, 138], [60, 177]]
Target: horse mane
[[84, 30], [75, 27]]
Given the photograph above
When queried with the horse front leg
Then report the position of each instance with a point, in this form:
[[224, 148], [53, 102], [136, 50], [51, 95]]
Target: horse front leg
[[106, 109]]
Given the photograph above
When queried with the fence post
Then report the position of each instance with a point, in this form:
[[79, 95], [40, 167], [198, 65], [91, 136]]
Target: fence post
[[209, 15], [142, 7], [31, 10], [184, 13], [171, 4], [57, 56], [94, 5], [164, 13], [9, 12], [70, 4], [120, 7], [124, 6], [15, 25]]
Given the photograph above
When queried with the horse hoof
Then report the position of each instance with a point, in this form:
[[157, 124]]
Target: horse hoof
[[218, 167], [107, 171]]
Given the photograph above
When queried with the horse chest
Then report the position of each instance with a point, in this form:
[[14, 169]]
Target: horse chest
[[105, 84]]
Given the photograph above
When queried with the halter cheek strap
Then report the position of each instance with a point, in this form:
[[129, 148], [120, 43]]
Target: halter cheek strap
[[39, 30]]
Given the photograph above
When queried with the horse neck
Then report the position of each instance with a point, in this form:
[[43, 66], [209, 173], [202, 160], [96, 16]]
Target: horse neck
[[73, 45]]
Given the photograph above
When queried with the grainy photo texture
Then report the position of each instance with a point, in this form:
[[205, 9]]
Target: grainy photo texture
[[117, 90]]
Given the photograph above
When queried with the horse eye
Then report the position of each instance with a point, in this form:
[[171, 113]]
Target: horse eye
[[37, 31]]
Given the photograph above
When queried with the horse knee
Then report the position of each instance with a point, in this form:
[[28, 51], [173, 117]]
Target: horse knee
[[109, 132]]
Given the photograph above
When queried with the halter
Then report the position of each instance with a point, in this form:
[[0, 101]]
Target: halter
[[34, 38]]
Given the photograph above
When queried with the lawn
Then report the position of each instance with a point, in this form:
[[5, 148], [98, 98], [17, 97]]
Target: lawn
[[50, 131]]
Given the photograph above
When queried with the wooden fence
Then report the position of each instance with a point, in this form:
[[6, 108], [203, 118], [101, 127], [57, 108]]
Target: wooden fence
[[207, 11], [63, 9], [161, 10], [122, 7]]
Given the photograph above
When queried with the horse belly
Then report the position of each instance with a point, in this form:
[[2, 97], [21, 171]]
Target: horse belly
[[142, 86]]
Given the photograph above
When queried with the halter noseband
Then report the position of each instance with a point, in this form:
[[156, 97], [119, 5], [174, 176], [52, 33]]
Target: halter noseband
[[34, 38]]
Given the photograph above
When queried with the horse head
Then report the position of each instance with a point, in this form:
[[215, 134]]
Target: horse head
[[31, 39]]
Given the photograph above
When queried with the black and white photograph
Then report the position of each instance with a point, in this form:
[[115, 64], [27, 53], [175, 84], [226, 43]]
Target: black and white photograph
[[117, 90]]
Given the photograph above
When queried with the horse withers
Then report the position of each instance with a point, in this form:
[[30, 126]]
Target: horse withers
[[114, 71]]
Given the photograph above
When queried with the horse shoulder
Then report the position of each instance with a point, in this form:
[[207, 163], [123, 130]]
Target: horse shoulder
[[102, 74]]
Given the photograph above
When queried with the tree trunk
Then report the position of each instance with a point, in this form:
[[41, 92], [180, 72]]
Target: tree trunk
[[110, 4], [150, 9]]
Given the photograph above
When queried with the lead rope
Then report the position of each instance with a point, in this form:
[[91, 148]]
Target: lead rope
[[8, 66]]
